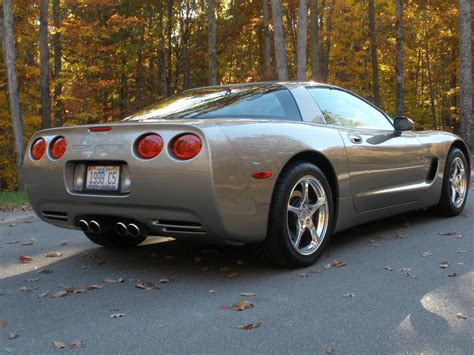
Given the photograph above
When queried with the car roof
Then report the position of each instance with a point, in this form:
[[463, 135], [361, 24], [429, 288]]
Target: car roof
[[287, 84]]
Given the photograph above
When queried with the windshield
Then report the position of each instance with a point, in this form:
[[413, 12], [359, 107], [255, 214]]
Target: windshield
[[262, 101]]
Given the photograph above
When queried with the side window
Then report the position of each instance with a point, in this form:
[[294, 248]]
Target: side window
[[343, 109]]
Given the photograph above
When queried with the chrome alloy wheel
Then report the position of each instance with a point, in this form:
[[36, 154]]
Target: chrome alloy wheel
[[307, 215], [457, 182]]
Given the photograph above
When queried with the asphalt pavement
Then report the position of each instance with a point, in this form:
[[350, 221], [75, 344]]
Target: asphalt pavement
[[401, 285]]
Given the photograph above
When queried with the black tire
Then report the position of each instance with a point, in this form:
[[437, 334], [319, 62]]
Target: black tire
[[446, 206], [278, 246], [110, 239]]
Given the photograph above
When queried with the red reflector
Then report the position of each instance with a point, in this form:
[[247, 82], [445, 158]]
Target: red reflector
[[187, 146], [58, 147], [149, 146], [38, 148], [100, 129], [262, 174]]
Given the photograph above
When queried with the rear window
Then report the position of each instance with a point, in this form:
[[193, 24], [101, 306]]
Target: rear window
[[266, 102]]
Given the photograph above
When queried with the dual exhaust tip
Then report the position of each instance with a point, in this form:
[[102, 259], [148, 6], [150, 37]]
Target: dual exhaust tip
[[121, 228]]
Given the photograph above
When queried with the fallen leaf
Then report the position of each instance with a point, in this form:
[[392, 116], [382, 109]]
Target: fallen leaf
[[63, 244], [53, 254], [12, 336], [350, 295], [102, 262], [45, 271], [31, 280], [315, 270], [205, 268], [225, 269], [146, 285], [58, 345], [460, 316], [401, 236], [117, 315], [25, 244], [461, 264], [374, 243], [13, 224], [212, 291], [25, 259], [94, 287], [302, 274], [443, 264], [330, 350], [111, 281], [76, 344], [232, 275], [327, 266], [388, 268], [197, 259], [338, 263], [406, 224], [426, 253], [240, 262], [249, 326], [11, 242], [458, 235], [3, 324], [165, 280], [242, 305], [61, 293], [453, 274], [25, 289], [248, 294], [89, 255], [462, 251], [42, 295]]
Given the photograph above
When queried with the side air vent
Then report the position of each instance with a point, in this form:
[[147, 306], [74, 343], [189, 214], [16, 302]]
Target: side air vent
[[433, 170], [55, 216], [167, 226]]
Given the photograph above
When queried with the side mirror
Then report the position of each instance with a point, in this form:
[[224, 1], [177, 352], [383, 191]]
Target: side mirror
[[403, 124]]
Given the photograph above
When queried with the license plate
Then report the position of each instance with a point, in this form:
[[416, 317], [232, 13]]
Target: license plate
[[103, 178]]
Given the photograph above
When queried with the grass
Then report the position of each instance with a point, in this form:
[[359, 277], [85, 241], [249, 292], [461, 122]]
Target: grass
[[12, 200]]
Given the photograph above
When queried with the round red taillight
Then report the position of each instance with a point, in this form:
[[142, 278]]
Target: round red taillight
[[186, 146], [58, 147], [38, 148], [149, 146]]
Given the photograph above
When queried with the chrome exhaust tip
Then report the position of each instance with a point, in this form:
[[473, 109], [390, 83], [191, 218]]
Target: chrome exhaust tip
[[133, 230], [84, 225], [94, 227], [121, 229]]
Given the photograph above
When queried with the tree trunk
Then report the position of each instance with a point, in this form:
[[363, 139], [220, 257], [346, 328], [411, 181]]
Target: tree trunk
[[13, 96], [279, 39], [314, 41], [302, 40], [465, 70], [400, 61], [58, 87], [373, 50], [430, 83], [212, 37], [327, 43], [44, 66], [266, 40], [139, 69]]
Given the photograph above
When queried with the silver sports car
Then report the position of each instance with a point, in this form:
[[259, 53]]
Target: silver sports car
[[282, 165]]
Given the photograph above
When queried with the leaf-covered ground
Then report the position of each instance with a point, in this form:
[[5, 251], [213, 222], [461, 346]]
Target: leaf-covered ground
[[401, 285]]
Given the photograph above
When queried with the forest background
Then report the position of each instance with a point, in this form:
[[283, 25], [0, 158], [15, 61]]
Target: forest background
[[69, 62]]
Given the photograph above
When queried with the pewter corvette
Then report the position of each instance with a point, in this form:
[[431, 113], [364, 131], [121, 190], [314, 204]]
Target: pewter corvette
[[283, 165]]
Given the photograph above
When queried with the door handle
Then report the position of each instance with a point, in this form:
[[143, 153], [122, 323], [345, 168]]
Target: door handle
[[355, 138]]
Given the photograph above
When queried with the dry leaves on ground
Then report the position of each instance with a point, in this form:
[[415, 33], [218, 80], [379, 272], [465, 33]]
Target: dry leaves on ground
[[212, 291], [460, 316], [249, 326], [426, 254], [3, 324], [409, 272], [330, 350], [58, 345], [45, 271], [242, 305], [25, 259], [25, 289], [76, 344], [248, 294], [53, 254], [388, 268], [232, 275], [146, 285], [338, 263], [240, 262], [350, 295], [43, 295], [374, 243], [12, 336], [302, 274], [26, 244], [443, 264], [453, 274], [165, 280], [458, 235], [94, 287], [118, 315], [112, 281], [401, 236]]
